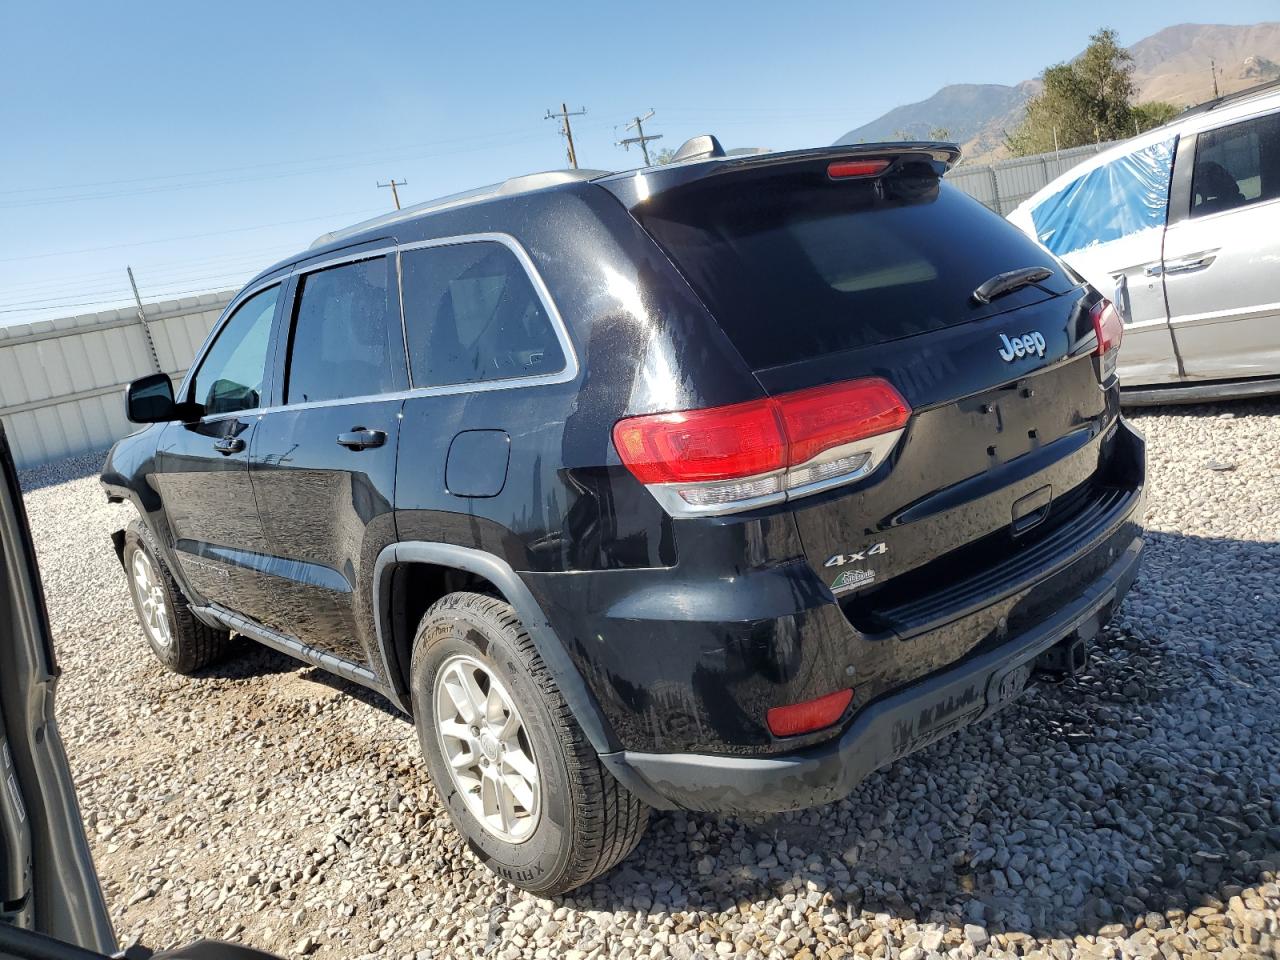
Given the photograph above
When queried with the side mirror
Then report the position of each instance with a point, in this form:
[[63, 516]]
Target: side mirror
[[149, 399]]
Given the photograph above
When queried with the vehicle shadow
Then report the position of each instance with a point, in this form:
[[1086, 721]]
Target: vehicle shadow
[[253, 659], [1149, 784]]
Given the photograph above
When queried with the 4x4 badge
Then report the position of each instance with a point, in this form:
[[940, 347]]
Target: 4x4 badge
[[840, 559]]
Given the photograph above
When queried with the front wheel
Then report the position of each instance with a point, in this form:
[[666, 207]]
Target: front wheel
[[518, 777], [179, 641]]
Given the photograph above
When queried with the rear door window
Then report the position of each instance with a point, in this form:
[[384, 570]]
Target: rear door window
[[472, 315], [794, 265], [1236, 165], [345, 340], [1118, 199]]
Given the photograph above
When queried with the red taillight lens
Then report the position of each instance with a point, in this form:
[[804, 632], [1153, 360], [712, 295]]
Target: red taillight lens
[[1107, 325], [825, 417], [746, 439], [843, 169], [811, 715], [715, 444], [701, 462]]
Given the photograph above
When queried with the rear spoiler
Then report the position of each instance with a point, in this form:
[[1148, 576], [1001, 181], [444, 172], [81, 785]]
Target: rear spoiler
[[636, 186]]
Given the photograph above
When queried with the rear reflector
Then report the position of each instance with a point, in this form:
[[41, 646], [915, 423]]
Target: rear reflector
[[746, 454], [1110, 330], [843, 169], [811, 715]]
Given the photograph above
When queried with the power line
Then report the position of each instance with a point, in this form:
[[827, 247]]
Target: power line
[[566, 130], [159, 295], [638, 126], [492, 141], [376, 156], [393, 184], [191, 236]]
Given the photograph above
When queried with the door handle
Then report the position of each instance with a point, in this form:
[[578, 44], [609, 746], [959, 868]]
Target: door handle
[[361, 439], [1188, 264], [1152, 270], [228, 445]]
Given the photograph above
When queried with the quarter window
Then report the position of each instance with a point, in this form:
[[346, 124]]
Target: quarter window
[[230, 375], [1236, 166], [472, 315], [345, 336]]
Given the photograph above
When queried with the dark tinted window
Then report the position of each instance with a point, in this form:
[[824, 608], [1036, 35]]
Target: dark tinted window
[[1236, 166], [471, 314], [231, 373], [345, 334], [793, 264]]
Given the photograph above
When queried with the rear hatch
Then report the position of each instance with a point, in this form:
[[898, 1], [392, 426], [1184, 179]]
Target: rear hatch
[[818, 278]]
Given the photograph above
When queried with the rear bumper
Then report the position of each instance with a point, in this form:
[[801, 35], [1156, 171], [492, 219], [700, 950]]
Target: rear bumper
[[886, 730]]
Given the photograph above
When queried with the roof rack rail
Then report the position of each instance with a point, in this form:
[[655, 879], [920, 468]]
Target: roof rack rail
[[513, 185], [1229, 98]]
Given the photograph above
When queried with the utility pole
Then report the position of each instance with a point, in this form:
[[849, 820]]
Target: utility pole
[[638, 126], [565, 130], [393, 184], [142, 320], [1213, 69]]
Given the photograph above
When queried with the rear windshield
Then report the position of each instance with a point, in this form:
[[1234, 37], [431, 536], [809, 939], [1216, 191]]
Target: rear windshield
[[794, 265]]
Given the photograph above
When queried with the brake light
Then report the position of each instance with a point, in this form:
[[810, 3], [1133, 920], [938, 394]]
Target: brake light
[[809, 716], [744, 455], [843, 169], [1110, 330], [713, 444]]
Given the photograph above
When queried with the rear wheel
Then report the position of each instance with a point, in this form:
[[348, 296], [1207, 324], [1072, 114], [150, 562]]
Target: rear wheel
[[179, 641], [518, 777]]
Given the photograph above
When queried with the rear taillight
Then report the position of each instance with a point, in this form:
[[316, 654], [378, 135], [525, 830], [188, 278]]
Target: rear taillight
[[811, 715], [1110, 330], [723, 459]]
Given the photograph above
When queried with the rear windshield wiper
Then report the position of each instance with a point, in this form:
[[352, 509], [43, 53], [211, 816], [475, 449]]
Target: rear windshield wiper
[[1003, 283]]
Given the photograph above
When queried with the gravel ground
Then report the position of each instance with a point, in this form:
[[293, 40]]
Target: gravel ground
[[1134, 812]]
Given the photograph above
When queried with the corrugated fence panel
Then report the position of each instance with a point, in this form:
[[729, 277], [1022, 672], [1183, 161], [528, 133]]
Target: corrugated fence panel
[[61, 381], [1005, 184]]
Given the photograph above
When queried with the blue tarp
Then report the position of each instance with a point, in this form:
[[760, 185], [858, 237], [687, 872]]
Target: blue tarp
[[1129, 194]]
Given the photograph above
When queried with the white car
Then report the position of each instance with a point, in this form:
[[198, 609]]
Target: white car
[[1183, 225]]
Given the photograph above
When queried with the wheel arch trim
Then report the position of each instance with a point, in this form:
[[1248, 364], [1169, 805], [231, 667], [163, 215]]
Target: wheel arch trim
[[498, 572]]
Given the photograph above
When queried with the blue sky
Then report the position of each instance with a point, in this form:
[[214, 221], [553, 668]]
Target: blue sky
[[200, 143]]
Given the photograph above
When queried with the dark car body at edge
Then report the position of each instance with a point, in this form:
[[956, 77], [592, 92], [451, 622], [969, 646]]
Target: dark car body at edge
[[1006, 517]]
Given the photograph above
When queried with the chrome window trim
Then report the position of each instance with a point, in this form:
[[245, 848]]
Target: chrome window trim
[[558, 327]]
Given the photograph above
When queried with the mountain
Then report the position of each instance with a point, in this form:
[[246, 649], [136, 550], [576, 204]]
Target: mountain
[[1172, 65]]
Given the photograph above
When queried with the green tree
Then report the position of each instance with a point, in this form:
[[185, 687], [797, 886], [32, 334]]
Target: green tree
[[940, 133], [665, 155], [1153, 113], [1084, 101]]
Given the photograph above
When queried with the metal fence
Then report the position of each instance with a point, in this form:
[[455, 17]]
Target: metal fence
[[61, 380], [1005, 184]]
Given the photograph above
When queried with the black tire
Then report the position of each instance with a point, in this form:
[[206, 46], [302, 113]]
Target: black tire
[[588, 822], [191, 645]]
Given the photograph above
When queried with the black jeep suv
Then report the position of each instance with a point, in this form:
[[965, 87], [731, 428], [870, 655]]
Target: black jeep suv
[[713, 485]]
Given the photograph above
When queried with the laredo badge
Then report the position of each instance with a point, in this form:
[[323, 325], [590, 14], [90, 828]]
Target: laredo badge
[[853, 578]]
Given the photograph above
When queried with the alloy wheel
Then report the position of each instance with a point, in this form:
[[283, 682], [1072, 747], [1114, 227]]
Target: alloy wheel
[[488, 751], [151, 600]]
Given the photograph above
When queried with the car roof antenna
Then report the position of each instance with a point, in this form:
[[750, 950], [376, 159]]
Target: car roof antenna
[[703, 147]]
